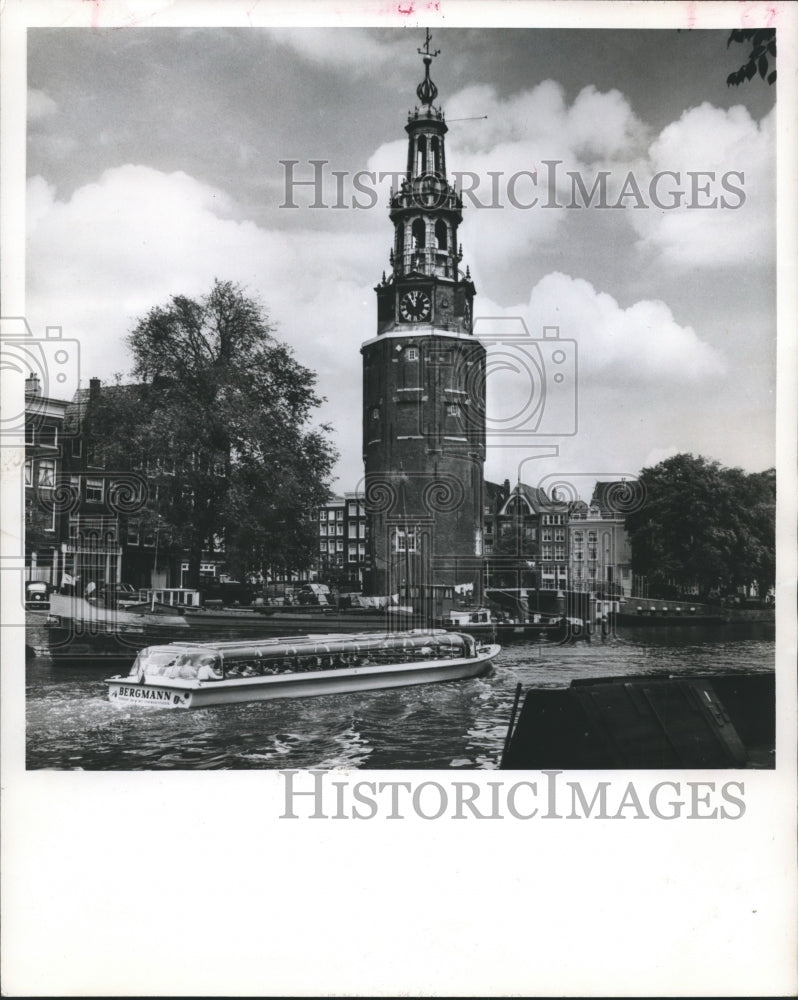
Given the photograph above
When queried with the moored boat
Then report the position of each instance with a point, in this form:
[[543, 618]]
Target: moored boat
[[80, 631], [196, 675], [484, 624]]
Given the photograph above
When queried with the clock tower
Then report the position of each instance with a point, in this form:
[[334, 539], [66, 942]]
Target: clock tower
[[424, 388]]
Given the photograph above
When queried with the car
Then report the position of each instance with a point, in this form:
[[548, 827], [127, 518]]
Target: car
[[37, 596]]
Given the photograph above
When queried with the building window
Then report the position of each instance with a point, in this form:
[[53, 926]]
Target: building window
[[339, 545], [411, 354], [322, 515], [352, 508], [46, 473], [545, 535], [133, 530], [323, 529], [353, 553], [452, 409], [559, 552], [149, 539], [405, 540], [545, 552], [559, 534], [339, 515], [578, 537], [322, 546], [94, 491], [361, 533]]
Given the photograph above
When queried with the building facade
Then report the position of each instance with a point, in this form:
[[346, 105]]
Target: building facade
[[600, 554], [45, 506], [424, 388], [343, 537]]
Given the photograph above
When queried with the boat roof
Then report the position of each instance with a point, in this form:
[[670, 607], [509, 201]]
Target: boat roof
[[249, 647]]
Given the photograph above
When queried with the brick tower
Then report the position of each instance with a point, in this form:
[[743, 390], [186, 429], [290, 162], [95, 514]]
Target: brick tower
[[424, 389]]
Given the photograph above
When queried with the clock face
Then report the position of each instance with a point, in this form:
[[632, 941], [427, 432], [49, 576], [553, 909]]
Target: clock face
[[415, 306]]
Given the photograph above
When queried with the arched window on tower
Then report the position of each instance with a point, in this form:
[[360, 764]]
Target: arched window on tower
[[419, 235], [435, 155], [441, 234], [421, 156]]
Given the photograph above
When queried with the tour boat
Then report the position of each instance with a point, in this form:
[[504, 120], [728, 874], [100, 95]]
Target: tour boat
[[196, 675]]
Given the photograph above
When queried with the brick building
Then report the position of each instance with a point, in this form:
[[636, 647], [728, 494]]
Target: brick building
[[423, 389]]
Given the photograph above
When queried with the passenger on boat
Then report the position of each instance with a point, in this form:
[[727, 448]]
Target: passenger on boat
[[208, 669]]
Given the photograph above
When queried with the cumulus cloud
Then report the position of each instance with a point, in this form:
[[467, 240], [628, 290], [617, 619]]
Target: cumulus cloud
[[570, 341], [629, 377], [714, 144]]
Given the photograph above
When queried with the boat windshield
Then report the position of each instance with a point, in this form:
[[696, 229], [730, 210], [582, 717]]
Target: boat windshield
[[191, 665]]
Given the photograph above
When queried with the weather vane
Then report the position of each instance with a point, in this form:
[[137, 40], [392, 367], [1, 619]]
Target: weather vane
[[425, 51], [426, 90]]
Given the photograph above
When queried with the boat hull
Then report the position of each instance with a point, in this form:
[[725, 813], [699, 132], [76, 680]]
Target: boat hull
[[80, 632], [202, 694]]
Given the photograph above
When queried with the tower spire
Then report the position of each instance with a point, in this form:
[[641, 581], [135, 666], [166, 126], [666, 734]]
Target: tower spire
[[426, 90]]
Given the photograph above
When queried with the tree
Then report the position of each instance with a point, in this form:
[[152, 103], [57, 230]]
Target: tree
[[219, 420], [763, 47], [705, 525]]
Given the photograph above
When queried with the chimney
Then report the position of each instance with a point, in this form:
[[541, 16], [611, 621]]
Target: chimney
[[33, 386], [94, 388], [507, 486]]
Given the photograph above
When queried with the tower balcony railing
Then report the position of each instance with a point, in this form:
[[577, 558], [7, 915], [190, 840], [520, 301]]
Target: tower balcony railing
[[437, 194], [427, 260], [426, 112]]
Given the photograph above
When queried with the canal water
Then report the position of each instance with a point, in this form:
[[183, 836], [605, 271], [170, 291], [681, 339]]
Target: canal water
[[462, 724]]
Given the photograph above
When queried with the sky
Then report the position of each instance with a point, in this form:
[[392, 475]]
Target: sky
[[154, 166]]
